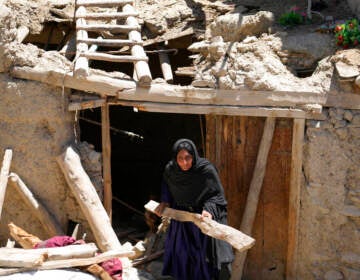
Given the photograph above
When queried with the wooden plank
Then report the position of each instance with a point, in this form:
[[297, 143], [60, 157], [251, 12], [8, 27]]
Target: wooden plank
[[109, 42], [103, 3], [113, 58], [236, 238], [80, 184], [106, 156], [70, 262], [254, 193], [117, 28], [4, 175], [218, 110], [294, 196], [141, 68], [128, 90], [16, 257], [50, 224], [81, 67], [109, 15]]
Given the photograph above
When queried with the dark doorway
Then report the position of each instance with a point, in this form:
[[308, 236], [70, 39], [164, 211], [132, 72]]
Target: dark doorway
[[141, 145]]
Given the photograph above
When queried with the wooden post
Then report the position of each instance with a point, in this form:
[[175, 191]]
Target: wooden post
[[141, 67], [81, 68], [4, 174], [254, 193], [50, 224], [294, 196], [165, 66], [106, 155], [89, 201]]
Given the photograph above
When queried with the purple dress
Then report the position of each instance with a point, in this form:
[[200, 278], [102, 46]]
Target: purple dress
[[185, 248]]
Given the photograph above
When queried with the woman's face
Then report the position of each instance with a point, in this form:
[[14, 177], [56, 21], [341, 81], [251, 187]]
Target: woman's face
[[184, 160]]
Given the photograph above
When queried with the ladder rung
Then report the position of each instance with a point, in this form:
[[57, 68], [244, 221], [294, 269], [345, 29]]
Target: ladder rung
[[103, 3], [109, 42], [108, 27], [117, 15], [113, 58]]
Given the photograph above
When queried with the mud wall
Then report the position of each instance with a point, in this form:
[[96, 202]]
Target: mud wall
[[329, 236], [35, 124]]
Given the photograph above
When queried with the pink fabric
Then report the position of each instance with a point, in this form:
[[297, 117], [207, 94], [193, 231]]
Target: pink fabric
[[56, 241], [113, 267]]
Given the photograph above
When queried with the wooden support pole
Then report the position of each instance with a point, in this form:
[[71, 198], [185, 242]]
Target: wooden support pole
[[141, 67], [294, 196], [106, 155], [166, 67], [89, 201], [81, 68], [4, 175], [49, 223], [254, 193], [236, 238]]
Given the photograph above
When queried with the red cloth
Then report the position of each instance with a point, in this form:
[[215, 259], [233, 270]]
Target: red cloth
[[113, 267], [56, 241]]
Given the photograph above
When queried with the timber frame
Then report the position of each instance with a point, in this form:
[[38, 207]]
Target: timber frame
[[190, 100]]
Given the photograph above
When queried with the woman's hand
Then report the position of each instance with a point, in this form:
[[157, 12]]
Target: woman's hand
[[206, 214], [158, 210]]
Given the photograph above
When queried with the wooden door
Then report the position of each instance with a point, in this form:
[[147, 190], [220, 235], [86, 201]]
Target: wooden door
[[232, 144]]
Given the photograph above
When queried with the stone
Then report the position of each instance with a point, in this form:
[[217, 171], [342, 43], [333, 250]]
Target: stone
[[333, 275]]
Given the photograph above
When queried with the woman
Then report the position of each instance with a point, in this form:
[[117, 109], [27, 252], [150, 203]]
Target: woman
[[191, 183]]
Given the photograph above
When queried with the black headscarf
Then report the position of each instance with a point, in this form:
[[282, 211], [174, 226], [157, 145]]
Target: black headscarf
[[196, 186]]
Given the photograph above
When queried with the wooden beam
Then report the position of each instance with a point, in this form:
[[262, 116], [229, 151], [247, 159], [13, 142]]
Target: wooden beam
[[90, 204], [81, 67], [86, 104], [116, 28], [11, 257], [106, 156], [103, 3], [219, 110], [236, 238], [69, 262], [254, 193], [128, 90], [141, 67], [343, 100], [113, 58], [294, 197], [4, 175], [50, 224]]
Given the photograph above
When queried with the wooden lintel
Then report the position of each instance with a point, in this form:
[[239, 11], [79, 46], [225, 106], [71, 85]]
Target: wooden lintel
[[343, 100], [165, 93], [87, 104]]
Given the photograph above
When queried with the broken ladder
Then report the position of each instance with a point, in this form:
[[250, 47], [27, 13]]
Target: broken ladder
[[86, 47]]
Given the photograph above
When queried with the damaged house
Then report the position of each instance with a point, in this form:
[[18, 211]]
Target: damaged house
[[93, 93]]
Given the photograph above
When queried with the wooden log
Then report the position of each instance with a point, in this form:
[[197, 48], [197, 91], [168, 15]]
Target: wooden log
[[50, 224], [4, 175], [294, 196], [70, 262], [103, 3], [236, 238], [16, 257], [113, 15], [113, 58], [81, 68], [25, 239], [141, 67], [166, 67], [89, 201], [116, 28], [165, 93], [69, 252], [106, 156], [254, 193], [110, 42]]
